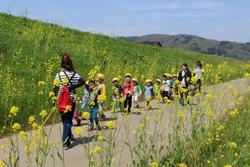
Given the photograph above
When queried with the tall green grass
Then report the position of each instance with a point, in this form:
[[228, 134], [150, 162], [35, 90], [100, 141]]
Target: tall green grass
[[31, 52]]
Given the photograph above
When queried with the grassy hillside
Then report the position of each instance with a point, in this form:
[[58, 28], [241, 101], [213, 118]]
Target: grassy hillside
[[199, 44], [31, 51]]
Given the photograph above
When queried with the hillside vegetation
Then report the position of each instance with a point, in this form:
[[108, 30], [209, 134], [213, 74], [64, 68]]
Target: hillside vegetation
[[195, 43], [31, 51]]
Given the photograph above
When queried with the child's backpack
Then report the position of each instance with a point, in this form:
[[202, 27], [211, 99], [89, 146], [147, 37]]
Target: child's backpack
[[64, 99]]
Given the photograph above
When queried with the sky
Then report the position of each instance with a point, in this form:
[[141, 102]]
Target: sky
[[213, 19]]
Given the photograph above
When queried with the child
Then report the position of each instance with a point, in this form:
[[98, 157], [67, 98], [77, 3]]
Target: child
[[101, 89], [176, 84], [149, 92], [93, 106], [137, 93], [117, 95], [199, 73], [157, 89], [170, 93], [166, 87], [128, 90], [85, 98]]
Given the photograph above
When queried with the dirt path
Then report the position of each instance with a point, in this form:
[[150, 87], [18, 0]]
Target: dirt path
[[126, 126]]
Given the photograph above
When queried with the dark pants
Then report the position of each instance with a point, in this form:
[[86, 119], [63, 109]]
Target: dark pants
[[183, 95], [199, 82], [67, 125], [128, 102], [165, 94]]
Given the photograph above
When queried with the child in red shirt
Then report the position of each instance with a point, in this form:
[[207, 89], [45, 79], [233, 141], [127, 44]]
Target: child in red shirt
[[128, 90]]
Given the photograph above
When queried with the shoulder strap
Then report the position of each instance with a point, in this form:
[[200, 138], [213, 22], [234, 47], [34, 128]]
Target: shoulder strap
[[68, 77]]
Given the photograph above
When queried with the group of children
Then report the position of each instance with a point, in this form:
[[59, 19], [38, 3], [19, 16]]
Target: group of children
[[125, 96]]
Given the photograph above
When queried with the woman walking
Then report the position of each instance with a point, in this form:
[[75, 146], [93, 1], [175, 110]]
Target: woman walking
[[67, 77], [184, 78]]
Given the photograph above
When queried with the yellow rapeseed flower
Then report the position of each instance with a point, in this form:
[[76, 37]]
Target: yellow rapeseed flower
[[32, 119], [51, 94], [111, 124], [56, 82], [154, 164], [181, 115], [227, 165], [23, 135], [86, 114], [78, 131], [14, 110], [1, 164], [100, 139], [210, 114], [96, 149], [41, 83], [233, 113], [232, 144], [43, 113], [16, 127]]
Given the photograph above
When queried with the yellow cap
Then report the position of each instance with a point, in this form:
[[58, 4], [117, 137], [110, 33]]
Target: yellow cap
[[175, 75], [148, 80], [166, 75], [100, 76], [158, 80], [128, 75], [134, 79], [115, 79]]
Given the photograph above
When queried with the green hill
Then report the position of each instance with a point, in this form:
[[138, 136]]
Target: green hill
[[195, 43], [30, 52]]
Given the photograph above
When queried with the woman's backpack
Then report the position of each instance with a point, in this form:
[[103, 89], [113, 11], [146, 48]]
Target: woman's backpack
[[64, 101]]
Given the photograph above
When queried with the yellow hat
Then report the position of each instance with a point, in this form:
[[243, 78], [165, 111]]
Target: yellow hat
[[100, 76], [148, 81], [166, 75], [175, 75], [115, 79], [134, 79], [128, 75], [158, 80]]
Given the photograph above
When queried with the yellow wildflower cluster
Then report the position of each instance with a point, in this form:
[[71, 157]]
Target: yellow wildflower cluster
[[232, 144], [43, 113], [16, 127], [111, 124], [14, 110], [78, 131], [154, 164], [86, 114], [181, 115], [96, 149], [100, 138]]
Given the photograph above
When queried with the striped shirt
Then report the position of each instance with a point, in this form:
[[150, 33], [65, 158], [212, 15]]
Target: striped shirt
[[73, 80]]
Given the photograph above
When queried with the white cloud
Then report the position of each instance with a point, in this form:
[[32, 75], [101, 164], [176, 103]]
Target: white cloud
[[205, 4]]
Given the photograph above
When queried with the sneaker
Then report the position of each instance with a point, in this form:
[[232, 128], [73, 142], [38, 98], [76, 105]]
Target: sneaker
[[98, 127], [91, 129], [102, 117], [66, 146]]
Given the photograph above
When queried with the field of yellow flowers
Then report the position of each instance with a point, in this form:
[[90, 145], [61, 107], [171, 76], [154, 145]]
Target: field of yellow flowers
[[211, 131], [30, 57]]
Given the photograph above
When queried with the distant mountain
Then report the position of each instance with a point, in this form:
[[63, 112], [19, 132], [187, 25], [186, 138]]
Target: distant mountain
[[196, 43]]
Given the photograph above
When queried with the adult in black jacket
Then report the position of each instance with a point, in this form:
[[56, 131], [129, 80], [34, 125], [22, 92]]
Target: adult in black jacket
[[184, 77]]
